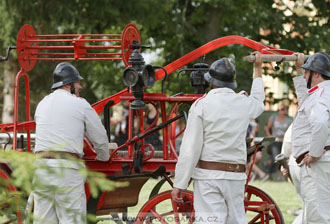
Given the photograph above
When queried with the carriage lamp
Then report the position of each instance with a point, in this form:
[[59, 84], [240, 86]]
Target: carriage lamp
[[197, 78], [137, 77]]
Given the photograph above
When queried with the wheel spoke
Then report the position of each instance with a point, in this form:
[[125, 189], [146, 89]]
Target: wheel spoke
[[192, 217], [175, 212], [158, 216], [257, 217], [248, 197]]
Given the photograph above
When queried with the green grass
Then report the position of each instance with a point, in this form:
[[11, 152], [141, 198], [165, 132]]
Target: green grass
[[283, 193]]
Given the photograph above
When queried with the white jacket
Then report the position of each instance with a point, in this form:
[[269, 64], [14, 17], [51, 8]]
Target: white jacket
[[216, 131], [311, 127], [61, 122]]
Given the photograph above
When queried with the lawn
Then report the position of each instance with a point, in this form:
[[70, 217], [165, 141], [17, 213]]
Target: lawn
[[283, 194]]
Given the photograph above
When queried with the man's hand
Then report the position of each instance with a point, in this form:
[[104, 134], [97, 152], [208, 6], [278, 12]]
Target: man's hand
[[177, 195], [308, 159], [257, 64], [284, 171], [299, 62]]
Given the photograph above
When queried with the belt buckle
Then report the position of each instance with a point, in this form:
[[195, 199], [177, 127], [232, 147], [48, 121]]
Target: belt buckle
[[233, 168], [237, 168]]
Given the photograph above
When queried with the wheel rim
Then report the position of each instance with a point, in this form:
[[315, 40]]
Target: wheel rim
[[151, 211], [161, 209], [256, 198]]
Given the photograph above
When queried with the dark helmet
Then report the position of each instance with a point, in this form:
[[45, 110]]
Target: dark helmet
[[222, 73], [319, 62], [64, 74]]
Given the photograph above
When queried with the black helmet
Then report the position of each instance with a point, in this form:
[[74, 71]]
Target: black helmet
[[319, 62], [222, 74], [64, 74]]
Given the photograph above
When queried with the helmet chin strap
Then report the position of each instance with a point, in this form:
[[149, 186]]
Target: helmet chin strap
[[309, 81], [72, 89]]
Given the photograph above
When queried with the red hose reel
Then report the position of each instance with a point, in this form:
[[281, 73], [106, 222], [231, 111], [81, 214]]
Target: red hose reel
[[32, 47]]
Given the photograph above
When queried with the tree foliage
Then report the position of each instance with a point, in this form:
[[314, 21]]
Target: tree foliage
[[176, 27]]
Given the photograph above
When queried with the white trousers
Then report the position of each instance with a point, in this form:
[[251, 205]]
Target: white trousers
[[295, 176], [62, 199], [219, 201], [315, 187]]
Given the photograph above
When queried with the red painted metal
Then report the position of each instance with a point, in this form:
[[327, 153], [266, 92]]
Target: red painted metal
[[178, 213], [27, 108], [186, 59], [24, 53], [263, 207], [130, 34], [30, 48], [257, 203]]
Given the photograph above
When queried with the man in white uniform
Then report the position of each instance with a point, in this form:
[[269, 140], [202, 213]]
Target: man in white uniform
[[294, 169], [311, 136], [62, 118], [213, 150]]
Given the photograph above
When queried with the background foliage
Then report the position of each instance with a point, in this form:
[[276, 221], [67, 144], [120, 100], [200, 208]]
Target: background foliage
[[174, 27]]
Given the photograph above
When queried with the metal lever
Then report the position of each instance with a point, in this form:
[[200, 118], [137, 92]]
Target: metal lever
[[136, 45], [2, 58]]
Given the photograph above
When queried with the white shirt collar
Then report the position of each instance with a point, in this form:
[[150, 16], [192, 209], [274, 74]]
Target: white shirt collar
[[221, 90]]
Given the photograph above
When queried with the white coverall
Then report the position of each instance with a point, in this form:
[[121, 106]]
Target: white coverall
[[311, 133], [216, 131], [61, 122], [294, 169]]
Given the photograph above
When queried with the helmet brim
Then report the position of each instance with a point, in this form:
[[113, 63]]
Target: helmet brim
[[323, 72], [218, 83], [62, 83]]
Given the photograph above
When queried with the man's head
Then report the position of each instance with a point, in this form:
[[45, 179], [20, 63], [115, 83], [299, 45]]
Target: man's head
[[67, 76], [222, 73], [317, 69]]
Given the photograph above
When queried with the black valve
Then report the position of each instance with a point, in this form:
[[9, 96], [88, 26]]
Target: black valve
[[278, 63]]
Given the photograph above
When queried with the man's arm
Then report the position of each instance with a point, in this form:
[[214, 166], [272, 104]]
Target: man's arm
[[190, 151], [257, 95], [97, 134], [299, 81], [191, 148]]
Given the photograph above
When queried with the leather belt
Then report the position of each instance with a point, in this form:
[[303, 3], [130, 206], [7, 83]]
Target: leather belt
[[302, 156], [237, 168], [57, 155]]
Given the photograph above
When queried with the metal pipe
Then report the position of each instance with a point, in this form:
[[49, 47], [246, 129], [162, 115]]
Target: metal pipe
[[274, 57]]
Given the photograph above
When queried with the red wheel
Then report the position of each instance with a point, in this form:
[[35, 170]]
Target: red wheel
[[25, 39], [161, 209], [261, 208], [130, 33]]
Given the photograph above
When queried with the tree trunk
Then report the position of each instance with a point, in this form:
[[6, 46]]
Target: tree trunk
[[10, 71]]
